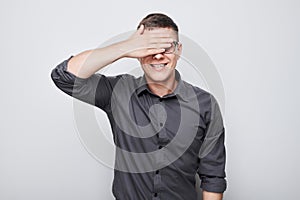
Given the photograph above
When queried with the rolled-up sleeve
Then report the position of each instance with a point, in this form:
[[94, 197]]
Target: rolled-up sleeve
[[212, 153], [95, 90]]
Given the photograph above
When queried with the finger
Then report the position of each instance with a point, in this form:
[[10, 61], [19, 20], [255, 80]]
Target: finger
[[159, 32], [155, 51], [162, 30], [161, 40], [159, 45], [159, 35]]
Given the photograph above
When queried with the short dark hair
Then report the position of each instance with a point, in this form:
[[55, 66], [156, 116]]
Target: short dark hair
[[158, 20]]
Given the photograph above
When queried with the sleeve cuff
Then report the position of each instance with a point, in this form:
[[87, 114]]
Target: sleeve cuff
[[213, 184]]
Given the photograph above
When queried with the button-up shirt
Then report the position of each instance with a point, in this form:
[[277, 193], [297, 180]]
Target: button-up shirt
[[161, 142]]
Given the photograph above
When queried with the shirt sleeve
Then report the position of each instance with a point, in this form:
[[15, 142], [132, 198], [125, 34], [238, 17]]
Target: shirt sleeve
[[212, 153], [95, 90]]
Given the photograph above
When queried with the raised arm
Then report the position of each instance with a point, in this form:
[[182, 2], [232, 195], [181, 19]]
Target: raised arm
[[139, 45]]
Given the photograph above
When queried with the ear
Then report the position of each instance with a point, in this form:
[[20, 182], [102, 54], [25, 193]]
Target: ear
[[179, 50]]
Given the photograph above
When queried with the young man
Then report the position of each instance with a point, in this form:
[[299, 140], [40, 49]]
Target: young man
[[165, 130]]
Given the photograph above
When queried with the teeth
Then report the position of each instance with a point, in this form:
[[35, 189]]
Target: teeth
[[158, 65]]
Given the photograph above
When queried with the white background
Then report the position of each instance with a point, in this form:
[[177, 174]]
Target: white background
[[254, 44]]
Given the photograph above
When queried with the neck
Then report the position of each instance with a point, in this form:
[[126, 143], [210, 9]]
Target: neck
[[162, 88]]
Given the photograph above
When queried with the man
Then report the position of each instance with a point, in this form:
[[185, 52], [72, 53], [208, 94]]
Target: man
[[165, 130]]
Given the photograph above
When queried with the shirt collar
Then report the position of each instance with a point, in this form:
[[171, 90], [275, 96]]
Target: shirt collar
[[181, 89]]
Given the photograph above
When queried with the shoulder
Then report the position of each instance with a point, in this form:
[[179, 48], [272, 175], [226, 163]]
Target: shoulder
[[205, 99], [121, 82], [200, 92], [126, 77], [119, 78]]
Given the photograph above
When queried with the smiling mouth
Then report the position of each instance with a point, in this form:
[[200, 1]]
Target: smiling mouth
[[158, 66]]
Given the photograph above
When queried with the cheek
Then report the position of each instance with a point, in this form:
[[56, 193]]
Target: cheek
[[173, 59], [142, 61], [145, 60]]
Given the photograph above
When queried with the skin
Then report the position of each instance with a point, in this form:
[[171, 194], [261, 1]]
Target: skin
[[211, 195], [139, 45], [148, 47], [161, 81]]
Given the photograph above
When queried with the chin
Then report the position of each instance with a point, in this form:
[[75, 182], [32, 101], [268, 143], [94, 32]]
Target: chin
[[158, 78]]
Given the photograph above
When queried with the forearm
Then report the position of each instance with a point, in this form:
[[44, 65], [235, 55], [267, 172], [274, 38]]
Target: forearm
[[138, 45], [88, 62], [211, 195]]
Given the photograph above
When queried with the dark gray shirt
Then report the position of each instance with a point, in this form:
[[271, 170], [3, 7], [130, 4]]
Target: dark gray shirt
[[161, 142]]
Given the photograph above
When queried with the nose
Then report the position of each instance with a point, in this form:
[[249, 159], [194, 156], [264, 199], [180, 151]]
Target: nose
[[158, 56]]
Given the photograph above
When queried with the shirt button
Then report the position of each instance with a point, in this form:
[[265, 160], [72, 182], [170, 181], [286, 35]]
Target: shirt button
[[155, 194], [157, 172], [160, 99], [161, 124]]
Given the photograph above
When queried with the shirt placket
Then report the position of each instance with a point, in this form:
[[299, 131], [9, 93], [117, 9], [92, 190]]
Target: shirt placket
[[162, 140]]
